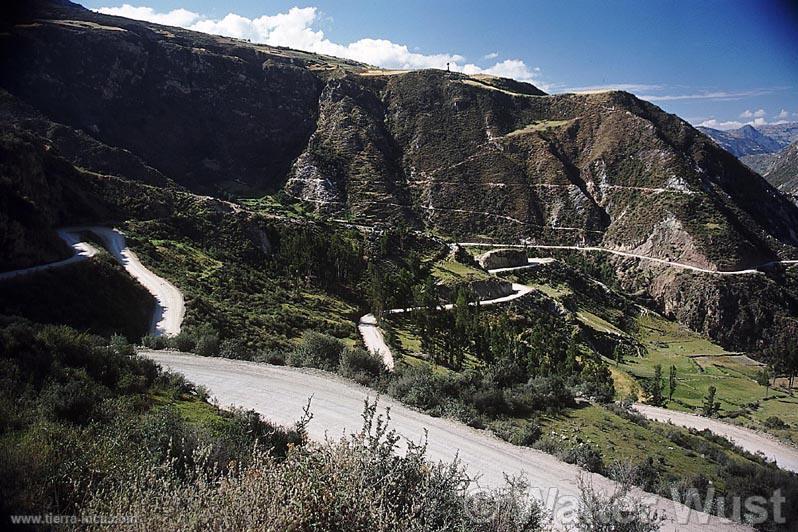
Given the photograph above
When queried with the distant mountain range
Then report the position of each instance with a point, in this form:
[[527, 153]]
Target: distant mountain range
[[757, 147]]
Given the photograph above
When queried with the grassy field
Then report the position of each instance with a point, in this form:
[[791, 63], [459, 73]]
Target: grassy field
[[451, 272], [271, 205], [238, 298], [701, 364], [675, 452]]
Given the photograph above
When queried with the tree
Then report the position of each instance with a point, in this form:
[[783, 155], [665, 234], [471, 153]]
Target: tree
[[711, 407], [655, 387], [763, 379], [672, 383]]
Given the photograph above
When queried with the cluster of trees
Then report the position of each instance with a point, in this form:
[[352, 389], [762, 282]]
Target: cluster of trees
[[395, 270], [539, 345], [655, 387], [781, 352], [330, 260]]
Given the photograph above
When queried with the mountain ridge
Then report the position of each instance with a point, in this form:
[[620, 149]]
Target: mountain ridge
[[456, 155]]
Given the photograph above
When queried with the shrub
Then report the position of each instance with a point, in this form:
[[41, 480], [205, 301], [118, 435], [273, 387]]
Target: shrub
[[416, 386], [236, 349], [356, 483], [597, 382], [318, 351], [525, 435], [74, 401], [360, 365], [586, 456], [270, 356], [151, 341], [208, 345], [121, 345], [490, 402], [540, 394], [616, 512], [184, 341], [775, 422]]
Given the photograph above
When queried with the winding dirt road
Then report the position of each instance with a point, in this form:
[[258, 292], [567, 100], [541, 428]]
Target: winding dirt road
[[755, 442], [83, 251], [279, 394], [375, 341], [683, 266], [169, 308]]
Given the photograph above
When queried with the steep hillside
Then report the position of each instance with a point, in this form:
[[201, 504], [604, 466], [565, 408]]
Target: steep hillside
[[783, 173]]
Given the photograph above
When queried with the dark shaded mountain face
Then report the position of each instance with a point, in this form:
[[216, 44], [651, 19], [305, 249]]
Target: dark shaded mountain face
[[465, 156]]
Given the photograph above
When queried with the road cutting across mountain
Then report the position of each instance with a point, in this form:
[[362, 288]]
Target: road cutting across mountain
[[674, 264], [374, 340]]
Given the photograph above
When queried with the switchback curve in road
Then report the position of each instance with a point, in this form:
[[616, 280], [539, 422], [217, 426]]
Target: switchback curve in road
[[170, 306], [83, 251], [375, 341], [280, 393], [784, 455]]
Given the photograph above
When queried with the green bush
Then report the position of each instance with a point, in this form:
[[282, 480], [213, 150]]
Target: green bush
[[208, 345], [235, 348], [586, 456], [318, 351], [416, 386], [271, 356], [151, 341], [121, 345], [596, 382], [184, 341], [360, 365], [525, 435], [775, 422]]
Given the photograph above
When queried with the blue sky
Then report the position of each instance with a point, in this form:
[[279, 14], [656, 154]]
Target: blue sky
[[718, 62]]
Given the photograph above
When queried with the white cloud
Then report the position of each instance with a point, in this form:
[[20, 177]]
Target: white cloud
[[709, 95], [509, 68], [757, 121], [714, 124], [176, 17], [783, 114], [630, 87], [295, 29], [492, 55], [759, 113]]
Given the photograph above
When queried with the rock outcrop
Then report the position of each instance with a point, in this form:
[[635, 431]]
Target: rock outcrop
[[502, 258]]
